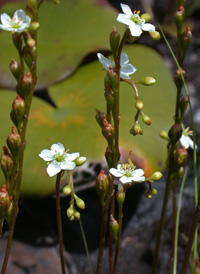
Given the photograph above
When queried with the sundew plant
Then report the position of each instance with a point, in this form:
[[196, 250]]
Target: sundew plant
[[106, 112]]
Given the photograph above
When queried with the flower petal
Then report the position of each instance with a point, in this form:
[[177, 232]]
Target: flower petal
[[46, 155], [125, 179], [72, 156], [128, 69], [124, 19], [104, 61], [148, 27], [115, 172], [6, 28], [138, 172], [59, 148], [53, 168], [124, 59], [184, 141], [126, 9], [5, 19], [135, 29], [19, 15], [67, 165]]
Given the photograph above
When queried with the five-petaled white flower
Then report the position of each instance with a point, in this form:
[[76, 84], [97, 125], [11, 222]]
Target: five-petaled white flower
[[58, 159], [185, 140], [125, 70], [133, 21], [18, 23], [128, 174]]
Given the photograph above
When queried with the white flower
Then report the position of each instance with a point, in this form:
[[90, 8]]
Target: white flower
[[18, 23], [58, 159], [125, 70], [185, 140], [128, 174], [133, 21]]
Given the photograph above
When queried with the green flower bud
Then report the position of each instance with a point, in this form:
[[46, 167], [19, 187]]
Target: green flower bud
[[25, 86], [34, 26], [154, 192], [109, 95], [146, 119], [31, 42], [114, 227], [178, 79], [179, 16], [6, 163], [18, 111], [67, 190], [109, 156], [80, 203], [183, 104], [175, 133], [14, 141], [136, 129], [70, 211], [146, 17], [114, 41], [147, 81], [164, 135], [27, 57], [100, 116], [4, 201], [155, 35], [155, 176], [113, 77], [180, 172], [80, 161], [120, 196], [102, 184], [77, 215], [139, 104], [15, 69]]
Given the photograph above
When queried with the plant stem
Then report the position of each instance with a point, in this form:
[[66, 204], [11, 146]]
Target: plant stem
[[112, 212], [86, 246], [59, 222]]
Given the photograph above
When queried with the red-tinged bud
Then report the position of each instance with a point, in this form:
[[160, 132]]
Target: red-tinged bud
[[18, 111], [108, 131], [113, 77], [102, 184], [26, 83], [183, 104], [114, 227], [136, 129], [146, 119], [175, 133], [178, 79], [100, 116], [139, 104], [80, 203], [186, 38], [114, 41], [27, 57], [181, 156], [14, 141], [109, 156], [4, 201], [179, 16], [109, 95], [34, 26], [120, 196], [15, 69], [6, 163]]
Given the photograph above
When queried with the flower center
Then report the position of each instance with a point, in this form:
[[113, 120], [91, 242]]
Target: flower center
[[15, 24], [135, 17], [59, 157]]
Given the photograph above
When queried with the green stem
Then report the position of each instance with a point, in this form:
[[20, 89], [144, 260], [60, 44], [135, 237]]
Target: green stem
[[112, 212], [86, 246], [118, 240], [59, 222]]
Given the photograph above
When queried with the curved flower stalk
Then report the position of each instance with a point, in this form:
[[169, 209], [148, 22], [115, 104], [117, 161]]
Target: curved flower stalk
[[18, 23], [128, 173], [135, 23], [185, 139], [58, 159], [126, 68]]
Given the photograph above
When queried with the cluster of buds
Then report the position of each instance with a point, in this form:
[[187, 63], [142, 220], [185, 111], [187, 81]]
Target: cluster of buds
[[72, 213], [152, 191]]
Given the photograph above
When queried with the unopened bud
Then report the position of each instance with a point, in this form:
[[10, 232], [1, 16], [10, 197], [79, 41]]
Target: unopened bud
[[155, 176], [70, 211], [80, 203], [120, 196], [181, 156], [67, 190], [114, 41], [114, 227], [183, 104], [175, 133], [146, 17], [186, 37], [155, 35], [18, 111], [14, 141], [109, 95], [34, 26], [178, 78], [179, 16], [146, 119], [113, 77], [4, 201], [108, 131], [15, 69], [26, 84], [109, 156], [32, 4], [102, 184], [147, 81], [100, 116], [139, 104], [164, 135], [6, 163], [136, 129], [77, 215], [80, 161], [154, 192]]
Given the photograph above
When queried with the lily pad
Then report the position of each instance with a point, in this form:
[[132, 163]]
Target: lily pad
[[68, 32], [73, 122]]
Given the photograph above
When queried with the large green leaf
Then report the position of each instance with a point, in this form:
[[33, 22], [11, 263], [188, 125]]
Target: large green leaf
[[73, 122], [68, 32]]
